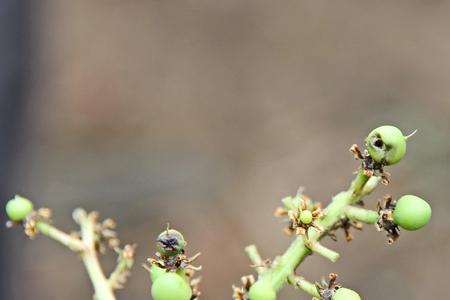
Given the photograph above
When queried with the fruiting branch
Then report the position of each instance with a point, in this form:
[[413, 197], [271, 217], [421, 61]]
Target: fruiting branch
[[87, 243], [172, 271], [386, 145], [287, 263]]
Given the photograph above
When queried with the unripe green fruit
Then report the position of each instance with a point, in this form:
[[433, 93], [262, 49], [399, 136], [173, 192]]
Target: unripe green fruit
[[306, 217], [386, 144], [345, 294], [170, 242], [412, 212], [262, 290], [156, 272], [18, 208], [170, 286]]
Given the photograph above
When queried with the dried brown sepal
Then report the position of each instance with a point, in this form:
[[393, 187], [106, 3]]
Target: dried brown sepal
[[280, 212], [386, 220], [106, 236], [326, 290], [346, 224], [295, 225], [125, 260], [241, 293], [30, 222], [370, 166]]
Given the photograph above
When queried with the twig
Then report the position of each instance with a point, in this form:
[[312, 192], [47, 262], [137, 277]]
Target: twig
[[284, 265], [103, 290], [255, 258], [362, 215], [125, 261], [308, 287], [65, 239]]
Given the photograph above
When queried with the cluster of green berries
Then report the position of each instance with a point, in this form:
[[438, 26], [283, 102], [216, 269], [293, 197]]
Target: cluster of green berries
[[387, 145], [18, 208]]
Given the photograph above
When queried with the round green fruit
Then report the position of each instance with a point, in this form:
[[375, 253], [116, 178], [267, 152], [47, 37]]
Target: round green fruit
[[156, 272], [262, 290], [18, 208], [386, 145], [306, 217], [345, 294], [170, 286], [170, 242], [412, 212]]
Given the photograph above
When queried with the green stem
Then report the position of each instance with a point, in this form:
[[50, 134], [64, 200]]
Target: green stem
[[103, 290], [324, 251], [362, 215], [65, 239], [308, 287], [255, 258], [124, 263], [284, 265]]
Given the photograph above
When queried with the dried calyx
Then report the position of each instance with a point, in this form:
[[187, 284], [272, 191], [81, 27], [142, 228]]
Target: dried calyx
[[333, 291], [409, 212], [301, 214]]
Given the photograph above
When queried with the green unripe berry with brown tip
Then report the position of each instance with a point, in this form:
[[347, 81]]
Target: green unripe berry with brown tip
[[412, 212], [262, 290], [170, 242], [171, 286], [345, 294], [306, 217], [386, 145], [18, 208]]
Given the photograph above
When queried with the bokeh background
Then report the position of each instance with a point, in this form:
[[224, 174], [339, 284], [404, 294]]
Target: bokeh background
[[205, 114]]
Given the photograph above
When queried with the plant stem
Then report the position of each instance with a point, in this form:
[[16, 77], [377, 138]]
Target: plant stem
[[124, 263], [103, 290], [285, 265], [362, 215], [255, 258], [65, 239], [308, 287], [324, 251]]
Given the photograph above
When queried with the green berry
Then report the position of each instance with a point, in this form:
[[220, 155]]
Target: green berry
[[345, 294], [412, 212], [156, 272], [170, 242], [306, 217], [262, 290], [171, 286], [18, 208], [386, 144]]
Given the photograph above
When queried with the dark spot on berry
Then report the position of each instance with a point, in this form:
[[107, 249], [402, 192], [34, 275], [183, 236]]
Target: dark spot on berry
[[378, 143]]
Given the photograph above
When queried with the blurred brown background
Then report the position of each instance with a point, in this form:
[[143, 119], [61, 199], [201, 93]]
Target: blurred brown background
[[205, 114]]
